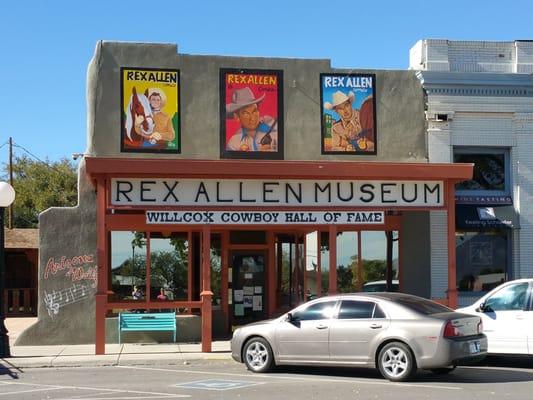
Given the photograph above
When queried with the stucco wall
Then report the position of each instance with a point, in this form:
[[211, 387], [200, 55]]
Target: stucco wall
[[400, 103], [66, 311], [415, 254]]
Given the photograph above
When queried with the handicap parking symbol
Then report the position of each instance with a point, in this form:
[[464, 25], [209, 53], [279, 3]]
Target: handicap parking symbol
[[217, 384]]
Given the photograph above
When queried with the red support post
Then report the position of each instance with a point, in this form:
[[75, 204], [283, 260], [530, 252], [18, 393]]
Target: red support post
[[452, 267], [207, 294]]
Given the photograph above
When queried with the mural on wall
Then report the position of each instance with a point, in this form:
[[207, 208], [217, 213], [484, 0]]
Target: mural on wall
[[82, 275], [251, 114], [150, 110], [348, 113]]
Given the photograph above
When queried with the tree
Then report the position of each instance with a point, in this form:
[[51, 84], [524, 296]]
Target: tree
[[40, 185]]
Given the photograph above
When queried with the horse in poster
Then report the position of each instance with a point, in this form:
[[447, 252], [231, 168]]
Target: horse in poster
[[139, 119]]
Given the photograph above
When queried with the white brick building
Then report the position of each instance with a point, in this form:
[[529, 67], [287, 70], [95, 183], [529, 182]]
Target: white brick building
[[480, 109]]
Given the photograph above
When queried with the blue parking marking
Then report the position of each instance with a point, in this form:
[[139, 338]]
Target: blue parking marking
[[217, 384]]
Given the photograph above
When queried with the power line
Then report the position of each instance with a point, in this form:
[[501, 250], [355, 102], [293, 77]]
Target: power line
[[37, 158]]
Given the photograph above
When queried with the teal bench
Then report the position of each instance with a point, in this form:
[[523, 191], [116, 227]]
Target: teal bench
[[129, 322]]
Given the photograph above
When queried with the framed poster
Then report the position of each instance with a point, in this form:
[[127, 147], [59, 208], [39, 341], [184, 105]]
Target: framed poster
[[348, 114], [149, 102], [251, 114]]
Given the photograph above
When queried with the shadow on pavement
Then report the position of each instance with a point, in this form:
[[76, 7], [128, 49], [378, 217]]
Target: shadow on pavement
[[491, 370], [9, 369]]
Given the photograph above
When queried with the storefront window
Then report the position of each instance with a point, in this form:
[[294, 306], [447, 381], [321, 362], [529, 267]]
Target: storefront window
[[128, 265], [348, 276], [311, 265], [482, 259], [216, 268], [324, 261], [374, 259], [169, 259], [491, 172]]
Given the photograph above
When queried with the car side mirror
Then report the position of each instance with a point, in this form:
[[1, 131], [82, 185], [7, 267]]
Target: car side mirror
[[483, 308], [290, 317]]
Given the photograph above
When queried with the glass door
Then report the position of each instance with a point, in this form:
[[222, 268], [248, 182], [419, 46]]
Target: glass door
[[248, 285], [290, 255]]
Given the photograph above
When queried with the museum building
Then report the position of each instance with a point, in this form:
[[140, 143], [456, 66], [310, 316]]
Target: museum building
[[231, 189]]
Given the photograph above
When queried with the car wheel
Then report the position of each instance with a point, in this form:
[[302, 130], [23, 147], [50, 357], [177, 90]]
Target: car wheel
[[396, 362], [443, 371], [258, 355]]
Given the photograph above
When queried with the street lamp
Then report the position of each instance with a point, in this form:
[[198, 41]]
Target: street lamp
[[7, 196]]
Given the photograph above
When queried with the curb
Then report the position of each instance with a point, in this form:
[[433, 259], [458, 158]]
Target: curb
[[111, 360]]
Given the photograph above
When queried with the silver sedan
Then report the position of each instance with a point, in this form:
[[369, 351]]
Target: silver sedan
[[394, 332]]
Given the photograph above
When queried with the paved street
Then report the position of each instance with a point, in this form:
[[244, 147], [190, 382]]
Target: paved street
[[222, 379]]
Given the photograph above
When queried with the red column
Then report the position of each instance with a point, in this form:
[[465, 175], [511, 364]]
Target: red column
[[332, 259], [452, 267], [206, 294], [224, 284], [102, 259]]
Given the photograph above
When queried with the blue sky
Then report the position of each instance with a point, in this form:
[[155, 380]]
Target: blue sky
[[47, 45]]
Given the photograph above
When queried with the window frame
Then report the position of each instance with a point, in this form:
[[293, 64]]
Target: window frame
[[372, 316], [527, 300], [335, 306], [505, 151]]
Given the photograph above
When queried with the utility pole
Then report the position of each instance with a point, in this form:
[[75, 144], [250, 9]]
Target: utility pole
[[10, 219]]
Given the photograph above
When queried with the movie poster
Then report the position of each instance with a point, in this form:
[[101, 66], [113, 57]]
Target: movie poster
[[348, 112], [150, 110], [251, 114]]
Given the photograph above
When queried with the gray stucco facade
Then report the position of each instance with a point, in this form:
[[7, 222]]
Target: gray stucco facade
[[68, 259]]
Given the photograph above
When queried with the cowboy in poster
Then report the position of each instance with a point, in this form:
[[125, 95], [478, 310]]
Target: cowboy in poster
[[150, 110], [348, 114], [251, 127]]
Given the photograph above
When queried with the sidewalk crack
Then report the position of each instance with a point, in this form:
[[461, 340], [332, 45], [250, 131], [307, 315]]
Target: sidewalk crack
[[58, 354], [119, 354]]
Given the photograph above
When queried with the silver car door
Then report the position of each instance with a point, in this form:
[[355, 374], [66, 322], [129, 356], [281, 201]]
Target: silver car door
[[305, 337], [352, 332]]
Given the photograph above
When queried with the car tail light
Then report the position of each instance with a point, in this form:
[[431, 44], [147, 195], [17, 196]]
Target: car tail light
[[480, 326], [450, 330]]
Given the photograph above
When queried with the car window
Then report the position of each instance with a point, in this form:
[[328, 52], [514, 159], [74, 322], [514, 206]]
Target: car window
[[512, 297], [322, 310], [422, 306], [356, 309]]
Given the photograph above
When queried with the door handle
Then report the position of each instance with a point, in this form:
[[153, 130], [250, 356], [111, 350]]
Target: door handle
[[321, 327], [375, 326]]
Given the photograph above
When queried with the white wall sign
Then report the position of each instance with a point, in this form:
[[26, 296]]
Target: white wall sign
[[275, 193], [264, 217]]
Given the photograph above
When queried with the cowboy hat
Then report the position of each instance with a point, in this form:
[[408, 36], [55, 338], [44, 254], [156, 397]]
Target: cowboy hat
[[339, 98], [161, 94], [241, 98]]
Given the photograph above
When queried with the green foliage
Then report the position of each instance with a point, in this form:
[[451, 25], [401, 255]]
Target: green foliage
[[39, 186], [373, 270]]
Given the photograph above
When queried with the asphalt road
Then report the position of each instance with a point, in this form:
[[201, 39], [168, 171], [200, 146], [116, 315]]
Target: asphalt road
[[495, 379]]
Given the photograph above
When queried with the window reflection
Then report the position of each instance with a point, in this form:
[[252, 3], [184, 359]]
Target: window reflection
[[324, 261], [374, 260], [169, 259], [128, 265], [311, 265], [349, 278], [482, 259], [216, 268]]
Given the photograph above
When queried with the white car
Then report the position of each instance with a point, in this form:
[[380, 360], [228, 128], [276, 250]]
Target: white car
[[507, 315]]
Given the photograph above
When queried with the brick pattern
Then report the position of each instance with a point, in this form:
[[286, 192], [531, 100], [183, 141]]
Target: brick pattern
[[439, 253], [524, 192], [473, 56]]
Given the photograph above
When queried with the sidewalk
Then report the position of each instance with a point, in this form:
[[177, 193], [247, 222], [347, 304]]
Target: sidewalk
[[116, 354]]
